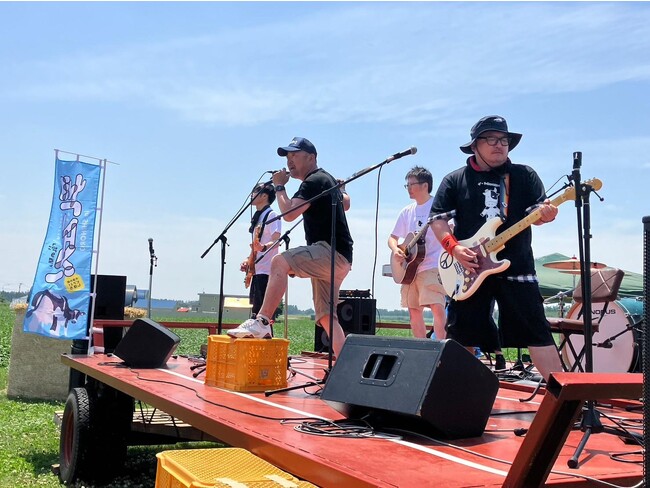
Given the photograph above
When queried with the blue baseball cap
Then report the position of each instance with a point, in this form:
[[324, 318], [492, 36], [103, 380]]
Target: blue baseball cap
[[297, 144], [490, 122]]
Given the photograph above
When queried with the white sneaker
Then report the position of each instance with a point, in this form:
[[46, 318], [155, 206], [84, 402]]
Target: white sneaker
[[253, 328]]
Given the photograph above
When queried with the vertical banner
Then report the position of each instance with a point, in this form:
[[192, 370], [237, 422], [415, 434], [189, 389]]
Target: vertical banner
[[60, 298]]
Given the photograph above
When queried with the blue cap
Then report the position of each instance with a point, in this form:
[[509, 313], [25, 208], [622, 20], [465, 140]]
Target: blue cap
[[490, 122], [297, 144]]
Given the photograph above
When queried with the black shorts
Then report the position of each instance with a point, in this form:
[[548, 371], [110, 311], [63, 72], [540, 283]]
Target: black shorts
[[522, 322]]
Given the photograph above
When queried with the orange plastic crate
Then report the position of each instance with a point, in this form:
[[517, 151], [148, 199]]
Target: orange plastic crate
[[217, 468], [246, 364]]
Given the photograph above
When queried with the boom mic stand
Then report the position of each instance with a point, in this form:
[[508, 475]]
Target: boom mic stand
[[224, 241], [336, 198]]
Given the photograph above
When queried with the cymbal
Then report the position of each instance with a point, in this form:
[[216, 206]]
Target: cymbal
[[577, 271], [571, 264]]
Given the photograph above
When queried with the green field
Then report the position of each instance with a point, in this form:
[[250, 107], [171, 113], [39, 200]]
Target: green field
[[29, 439]]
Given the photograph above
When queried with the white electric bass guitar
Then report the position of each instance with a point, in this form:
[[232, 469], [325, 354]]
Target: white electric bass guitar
[[460, 283]]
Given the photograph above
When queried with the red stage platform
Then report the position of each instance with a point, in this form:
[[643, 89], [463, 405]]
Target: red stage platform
[[266, 427]]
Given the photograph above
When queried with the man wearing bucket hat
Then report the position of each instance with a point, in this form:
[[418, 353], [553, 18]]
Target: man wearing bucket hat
[[313, 260], [488, 186]]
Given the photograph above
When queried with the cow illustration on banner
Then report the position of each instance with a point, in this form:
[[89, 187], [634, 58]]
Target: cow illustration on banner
[[60, 298]]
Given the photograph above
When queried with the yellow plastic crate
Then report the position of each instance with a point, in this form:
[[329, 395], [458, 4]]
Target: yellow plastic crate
[[246, 364], [220, 468]]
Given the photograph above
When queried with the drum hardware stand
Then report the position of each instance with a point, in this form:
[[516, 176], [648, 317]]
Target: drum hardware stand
[[590, 422]]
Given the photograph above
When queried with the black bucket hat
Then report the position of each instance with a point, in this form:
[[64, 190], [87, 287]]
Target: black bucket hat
[[490, 122]]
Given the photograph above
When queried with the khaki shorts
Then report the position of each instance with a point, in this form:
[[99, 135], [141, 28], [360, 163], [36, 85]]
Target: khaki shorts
[[424, 290], [314, 262]]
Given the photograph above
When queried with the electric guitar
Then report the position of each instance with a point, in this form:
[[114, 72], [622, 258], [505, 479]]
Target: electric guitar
[[460, 283], [414, 249], [249, 268]]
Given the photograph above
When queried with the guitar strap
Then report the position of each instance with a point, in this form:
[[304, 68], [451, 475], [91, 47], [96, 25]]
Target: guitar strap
[[256, 218], [266, 216], [504, 196]]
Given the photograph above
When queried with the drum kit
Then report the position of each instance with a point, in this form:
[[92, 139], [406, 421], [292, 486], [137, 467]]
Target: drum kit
[[616, 346]]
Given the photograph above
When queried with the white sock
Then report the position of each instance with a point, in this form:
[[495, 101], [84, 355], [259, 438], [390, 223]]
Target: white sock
[[265, 320]]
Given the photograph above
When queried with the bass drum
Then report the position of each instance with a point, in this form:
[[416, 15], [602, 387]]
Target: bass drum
[[624, 355]]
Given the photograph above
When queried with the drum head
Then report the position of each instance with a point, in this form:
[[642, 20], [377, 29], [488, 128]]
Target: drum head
[[622, 356]]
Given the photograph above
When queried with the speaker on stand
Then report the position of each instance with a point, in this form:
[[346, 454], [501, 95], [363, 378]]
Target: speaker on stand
[[356, 314]]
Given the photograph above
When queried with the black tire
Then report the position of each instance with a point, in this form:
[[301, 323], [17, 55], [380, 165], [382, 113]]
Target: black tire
[[75, 435], [94, 430]]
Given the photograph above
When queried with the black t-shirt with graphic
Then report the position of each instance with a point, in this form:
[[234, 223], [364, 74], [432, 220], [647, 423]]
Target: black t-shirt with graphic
[[318, 217], [475, 196]]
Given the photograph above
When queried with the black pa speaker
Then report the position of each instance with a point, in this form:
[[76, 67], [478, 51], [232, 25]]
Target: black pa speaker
[[356, 316], [146, 344], [109, 305], [422, 385]]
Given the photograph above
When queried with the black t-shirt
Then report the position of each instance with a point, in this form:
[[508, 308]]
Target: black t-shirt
[[318, 217], [475, 196]]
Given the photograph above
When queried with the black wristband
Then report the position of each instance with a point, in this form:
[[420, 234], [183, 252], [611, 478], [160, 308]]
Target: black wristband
[[279, 188]]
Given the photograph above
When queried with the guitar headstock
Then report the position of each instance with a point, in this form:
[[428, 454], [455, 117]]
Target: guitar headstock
[[595, 183], [570, 193]]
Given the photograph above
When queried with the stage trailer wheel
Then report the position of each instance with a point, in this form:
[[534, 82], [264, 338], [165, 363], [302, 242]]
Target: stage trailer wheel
[[94, 431], [75, 435]]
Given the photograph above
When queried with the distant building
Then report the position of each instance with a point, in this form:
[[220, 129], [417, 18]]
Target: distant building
[[235, 307]]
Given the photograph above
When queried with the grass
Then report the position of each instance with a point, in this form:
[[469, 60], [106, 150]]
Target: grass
[[29, 439]]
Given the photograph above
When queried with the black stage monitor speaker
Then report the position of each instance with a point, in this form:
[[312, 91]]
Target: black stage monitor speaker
[[146, 344], [356, 316], [423, 385]]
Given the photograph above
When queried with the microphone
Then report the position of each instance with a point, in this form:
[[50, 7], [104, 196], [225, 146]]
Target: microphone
[[560, 295], [577, 162], [607, 344], [407, 152], [151, 246]]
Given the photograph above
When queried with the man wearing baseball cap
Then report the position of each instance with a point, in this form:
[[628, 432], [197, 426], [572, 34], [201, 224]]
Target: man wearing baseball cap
[[313, 260], [489, 186]]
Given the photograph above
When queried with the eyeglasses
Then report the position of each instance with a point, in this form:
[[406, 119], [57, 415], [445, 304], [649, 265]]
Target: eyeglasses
[[413, 184], [492, 140]]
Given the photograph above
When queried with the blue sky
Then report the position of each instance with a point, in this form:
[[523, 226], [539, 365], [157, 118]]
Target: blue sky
[[191, 101]]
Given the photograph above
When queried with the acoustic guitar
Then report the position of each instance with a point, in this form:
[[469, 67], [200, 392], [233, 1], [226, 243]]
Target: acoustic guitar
[[460, 283], [414, 249]]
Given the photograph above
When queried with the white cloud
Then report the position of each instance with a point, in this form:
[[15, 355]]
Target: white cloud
[[519, 49]]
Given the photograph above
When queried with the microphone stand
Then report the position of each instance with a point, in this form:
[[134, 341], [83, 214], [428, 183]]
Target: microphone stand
[[336, 198], [224, 241], [152, 262], [590, 422]]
